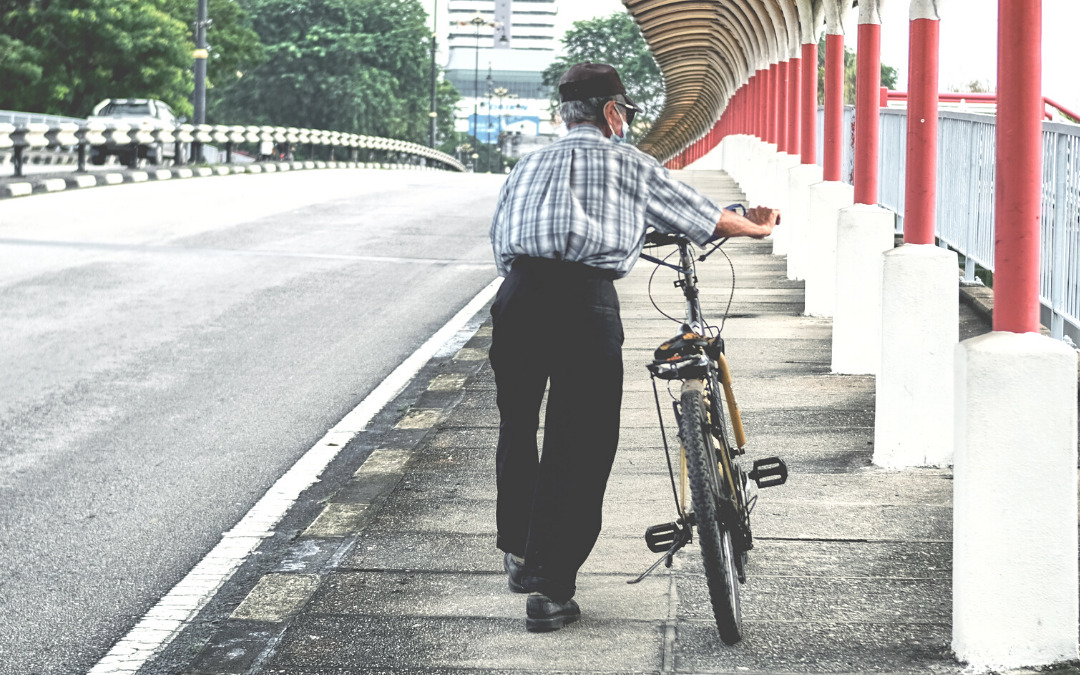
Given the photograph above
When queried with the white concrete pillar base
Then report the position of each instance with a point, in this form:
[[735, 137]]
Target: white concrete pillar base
[[863, 234], [778, 198], [759, 183], [920, 306], [796, 219], [826, 200], [1015, 503], [711, 161]]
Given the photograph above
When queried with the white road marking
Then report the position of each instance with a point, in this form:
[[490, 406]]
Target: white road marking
[[174, 611]]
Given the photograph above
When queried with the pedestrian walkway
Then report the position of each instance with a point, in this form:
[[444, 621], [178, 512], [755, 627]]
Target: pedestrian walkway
[[850, 574]]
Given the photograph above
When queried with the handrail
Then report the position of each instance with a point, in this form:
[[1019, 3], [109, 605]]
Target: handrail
[[24, 137], [958, 97]]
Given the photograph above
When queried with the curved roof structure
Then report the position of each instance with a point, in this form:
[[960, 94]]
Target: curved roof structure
[[707, 49]]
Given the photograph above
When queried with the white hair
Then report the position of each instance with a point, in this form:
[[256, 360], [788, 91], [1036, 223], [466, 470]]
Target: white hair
[[589, 110]]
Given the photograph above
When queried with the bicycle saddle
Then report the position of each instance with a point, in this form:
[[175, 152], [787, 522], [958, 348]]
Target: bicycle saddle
[[683, 344]]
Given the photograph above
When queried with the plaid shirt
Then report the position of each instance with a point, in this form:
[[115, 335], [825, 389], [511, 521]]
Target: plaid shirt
[[586, 199]]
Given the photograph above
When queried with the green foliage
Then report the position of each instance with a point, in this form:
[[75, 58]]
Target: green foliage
[[63, 56], [615, 40], [360, 66], [446, 100], [234, 46], [888, 74]]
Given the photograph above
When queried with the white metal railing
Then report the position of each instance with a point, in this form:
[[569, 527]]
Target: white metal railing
[[847, 167], [17, 139], [965, 199]]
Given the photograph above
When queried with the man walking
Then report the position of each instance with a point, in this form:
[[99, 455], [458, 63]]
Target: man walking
[[570, 219]]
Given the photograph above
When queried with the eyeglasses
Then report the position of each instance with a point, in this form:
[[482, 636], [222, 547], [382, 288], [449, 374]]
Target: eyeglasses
[[630, 112], [628, 108]]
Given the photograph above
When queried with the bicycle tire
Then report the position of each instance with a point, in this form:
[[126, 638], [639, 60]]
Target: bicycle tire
[[717, 549]]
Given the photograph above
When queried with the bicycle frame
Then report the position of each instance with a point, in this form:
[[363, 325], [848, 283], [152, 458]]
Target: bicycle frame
[[700, 364]]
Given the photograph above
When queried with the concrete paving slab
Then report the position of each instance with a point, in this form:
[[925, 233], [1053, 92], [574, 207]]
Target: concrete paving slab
[[858, 600], [456, 595], [394, 549], [874, 522], [812, 647], [485, 643], [843, 559]]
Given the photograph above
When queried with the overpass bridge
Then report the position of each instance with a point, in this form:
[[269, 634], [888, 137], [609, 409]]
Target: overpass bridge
[[910, 433]]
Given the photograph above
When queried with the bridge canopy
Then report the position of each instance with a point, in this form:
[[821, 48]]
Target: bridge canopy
[[707, 49]]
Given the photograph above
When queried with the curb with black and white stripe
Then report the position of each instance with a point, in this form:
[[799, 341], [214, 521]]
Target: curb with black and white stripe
[[51, 184]]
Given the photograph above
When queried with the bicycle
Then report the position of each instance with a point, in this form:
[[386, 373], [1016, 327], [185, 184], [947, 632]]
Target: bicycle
[[719, 506]]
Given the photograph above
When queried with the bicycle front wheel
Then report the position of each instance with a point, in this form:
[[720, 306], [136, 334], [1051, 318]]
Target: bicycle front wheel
[[706, 496]]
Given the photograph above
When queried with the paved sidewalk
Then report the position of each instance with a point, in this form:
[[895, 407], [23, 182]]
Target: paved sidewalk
[[851, 572]]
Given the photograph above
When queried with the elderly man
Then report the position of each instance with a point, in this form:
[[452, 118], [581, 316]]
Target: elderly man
[[571, 218]]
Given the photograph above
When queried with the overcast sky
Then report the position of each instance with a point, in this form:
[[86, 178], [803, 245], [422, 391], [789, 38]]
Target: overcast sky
[[968, 40]]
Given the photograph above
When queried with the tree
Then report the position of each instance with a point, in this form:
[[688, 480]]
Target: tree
[[359, 66], [617, 41], [234, 46], [888, 74], [63, 56]]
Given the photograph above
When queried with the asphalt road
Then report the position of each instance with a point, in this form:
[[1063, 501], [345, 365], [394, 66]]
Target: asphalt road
[[169, 349]]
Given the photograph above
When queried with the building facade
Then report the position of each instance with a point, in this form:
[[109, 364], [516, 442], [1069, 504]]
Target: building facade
[[498, 50]]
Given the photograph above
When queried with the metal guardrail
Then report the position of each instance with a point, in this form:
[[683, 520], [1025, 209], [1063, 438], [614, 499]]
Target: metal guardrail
[[18, 140], [847, 165], [965, 201], [22, 118]]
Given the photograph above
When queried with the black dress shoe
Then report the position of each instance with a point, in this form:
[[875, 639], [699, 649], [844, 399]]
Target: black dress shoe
[[544, 614], [515, 572]]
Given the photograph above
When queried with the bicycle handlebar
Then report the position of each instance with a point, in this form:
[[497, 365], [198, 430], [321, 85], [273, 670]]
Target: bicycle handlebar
[[655, 238]]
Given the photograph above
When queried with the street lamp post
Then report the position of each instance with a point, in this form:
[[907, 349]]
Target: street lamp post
[[500, 93], [201, 53], [487, 132], [433, 114], [477, 21]]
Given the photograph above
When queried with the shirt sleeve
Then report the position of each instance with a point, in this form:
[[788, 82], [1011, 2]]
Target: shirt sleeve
[[675, 207], [498, 228]]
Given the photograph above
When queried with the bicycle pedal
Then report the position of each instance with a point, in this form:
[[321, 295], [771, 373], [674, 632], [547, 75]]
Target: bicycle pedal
[[660, 538], [769, 472]]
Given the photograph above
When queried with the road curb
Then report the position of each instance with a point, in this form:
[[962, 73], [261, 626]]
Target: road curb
[[52, 183]]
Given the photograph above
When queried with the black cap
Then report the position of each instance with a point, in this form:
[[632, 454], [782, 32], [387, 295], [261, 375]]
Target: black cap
[[593, 80]]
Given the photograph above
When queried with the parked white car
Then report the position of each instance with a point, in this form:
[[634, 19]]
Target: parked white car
[[147, 113]]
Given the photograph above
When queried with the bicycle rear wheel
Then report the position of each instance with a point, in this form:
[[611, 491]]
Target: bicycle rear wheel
[[717, 548]]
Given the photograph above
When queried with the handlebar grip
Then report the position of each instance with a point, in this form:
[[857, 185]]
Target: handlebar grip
[[655, 238]]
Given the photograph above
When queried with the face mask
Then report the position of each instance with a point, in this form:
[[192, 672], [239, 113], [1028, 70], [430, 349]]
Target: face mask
[[619, 137]]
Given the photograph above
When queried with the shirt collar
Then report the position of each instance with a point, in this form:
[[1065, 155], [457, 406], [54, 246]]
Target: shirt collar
[[586, 129]]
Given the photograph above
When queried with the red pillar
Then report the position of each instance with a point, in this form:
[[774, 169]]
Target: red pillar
[[920, 191], [751, 105], [834, 106], [1018, 174], [780, 100], [809, 103], [763, 104], [867, 113], [770, 104], [793, 105]]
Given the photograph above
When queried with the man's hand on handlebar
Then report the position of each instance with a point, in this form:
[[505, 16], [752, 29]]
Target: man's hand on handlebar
[[758, 223]]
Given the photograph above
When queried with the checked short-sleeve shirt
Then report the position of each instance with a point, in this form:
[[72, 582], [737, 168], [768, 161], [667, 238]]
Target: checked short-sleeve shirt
[[585, 199]]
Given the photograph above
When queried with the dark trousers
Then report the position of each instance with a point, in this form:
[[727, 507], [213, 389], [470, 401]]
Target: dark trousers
[[555, 323]]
